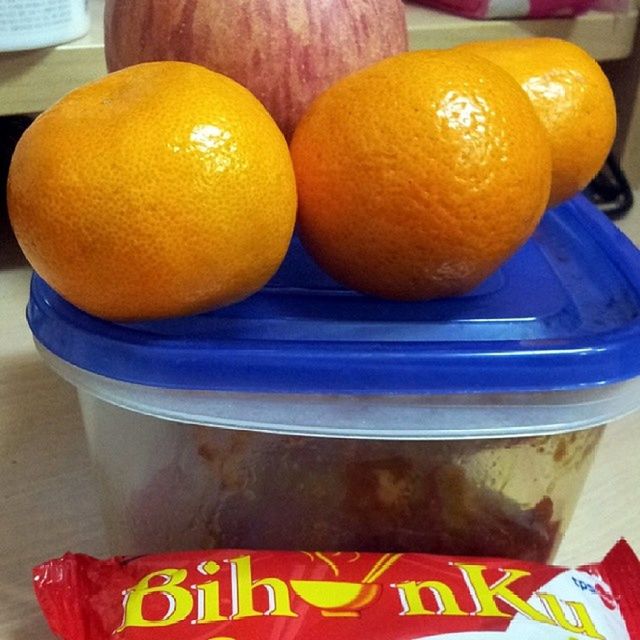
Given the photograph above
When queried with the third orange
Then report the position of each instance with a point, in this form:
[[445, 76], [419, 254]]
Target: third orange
[[571, 95]]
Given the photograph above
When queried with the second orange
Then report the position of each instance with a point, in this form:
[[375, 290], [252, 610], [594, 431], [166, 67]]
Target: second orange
[[420, 175]]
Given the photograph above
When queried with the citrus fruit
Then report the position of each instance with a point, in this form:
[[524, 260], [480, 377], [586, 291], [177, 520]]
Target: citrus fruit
[[573, 98], [159, 190], [418, 176]]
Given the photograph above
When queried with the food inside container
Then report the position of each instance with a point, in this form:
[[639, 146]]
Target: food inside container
[[227, 488], [310, 416]]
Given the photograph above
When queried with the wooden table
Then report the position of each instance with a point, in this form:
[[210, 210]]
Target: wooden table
[[48, 501]]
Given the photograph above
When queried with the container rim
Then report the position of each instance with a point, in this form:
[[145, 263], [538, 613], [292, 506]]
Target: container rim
[[376, 417]]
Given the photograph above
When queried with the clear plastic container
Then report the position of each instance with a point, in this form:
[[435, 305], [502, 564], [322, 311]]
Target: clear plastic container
[[309, 417], [170, 485]]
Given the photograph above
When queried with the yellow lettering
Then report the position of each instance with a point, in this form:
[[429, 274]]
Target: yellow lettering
[[583, 622], [209, 596], [179, 600], [243, 586], [485, 595], [411, 598]]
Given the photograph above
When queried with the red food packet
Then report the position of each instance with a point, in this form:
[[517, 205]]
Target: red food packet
[[261, 595]]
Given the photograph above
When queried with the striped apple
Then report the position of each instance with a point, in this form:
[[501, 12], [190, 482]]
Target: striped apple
[[285, 51]]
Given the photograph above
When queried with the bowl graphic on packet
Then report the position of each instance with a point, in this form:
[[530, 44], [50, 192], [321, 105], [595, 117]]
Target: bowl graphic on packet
[[335, 598]]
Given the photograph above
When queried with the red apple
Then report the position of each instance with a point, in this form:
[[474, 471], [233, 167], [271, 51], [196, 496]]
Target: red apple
[[285, 51]]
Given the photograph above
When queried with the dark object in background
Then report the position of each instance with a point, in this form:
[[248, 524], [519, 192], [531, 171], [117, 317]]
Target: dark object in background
[[610, 190], [11, 128]]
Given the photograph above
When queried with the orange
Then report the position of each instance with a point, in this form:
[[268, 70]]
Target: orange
[[420, 175], [159, 190], [572, 97]]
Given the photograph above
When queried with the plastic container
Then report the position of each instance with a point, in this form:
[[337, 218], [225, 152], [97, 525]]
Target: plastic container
[[311, 417], [33, 24]]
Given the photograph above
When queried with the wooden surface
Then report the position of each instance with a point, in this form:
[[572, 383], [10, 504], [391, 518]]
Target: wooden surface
[[48, 499], [31, 81]]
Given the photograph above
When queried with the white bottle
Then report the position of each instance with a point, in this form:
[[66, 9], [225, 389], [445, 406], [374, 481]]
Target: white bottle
[[32, 24]]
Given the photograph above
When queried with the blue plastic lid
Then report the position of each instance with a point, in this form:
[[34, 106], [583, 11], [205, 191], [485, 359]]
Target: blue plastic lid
[[562, 314]]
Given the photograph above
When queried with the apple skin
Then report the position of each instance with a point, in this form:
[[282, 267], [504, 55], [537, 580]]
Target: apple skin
[[285, 51]]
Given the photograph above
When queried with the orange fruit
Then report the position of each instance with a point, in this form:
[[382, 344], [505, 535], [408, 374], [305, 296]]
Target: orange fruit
[[159, 190], [418, 176], [573, 98]]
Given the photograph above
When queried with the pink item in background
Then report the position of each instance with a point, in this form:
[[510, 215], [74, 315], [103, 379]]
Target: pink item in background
[[492, 9]]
